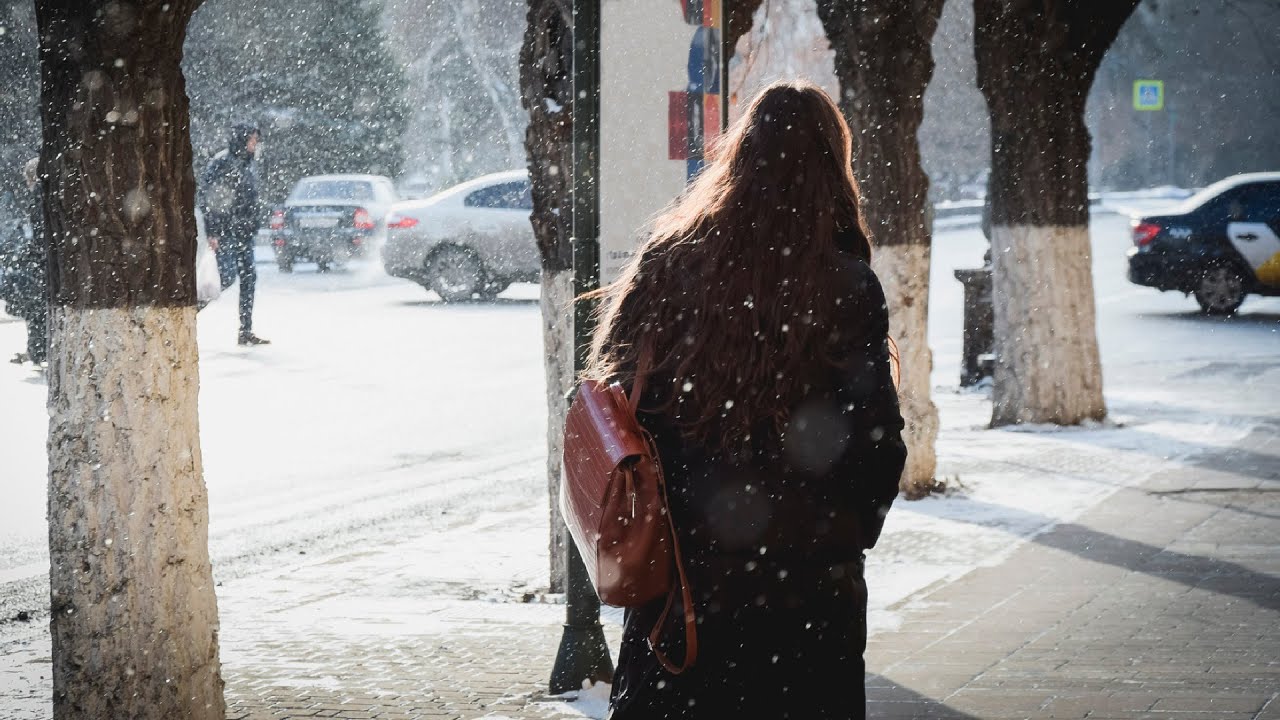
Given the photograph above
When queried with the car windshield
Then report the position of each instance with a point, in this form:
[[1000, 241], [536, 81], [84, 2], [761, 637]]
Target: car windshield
[[333, 190]]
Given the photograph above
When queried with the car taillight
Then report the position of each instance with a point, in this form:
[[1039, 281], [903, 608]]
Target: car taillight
[[277, 219], [1144, 233], [363, 220], [401, 221]]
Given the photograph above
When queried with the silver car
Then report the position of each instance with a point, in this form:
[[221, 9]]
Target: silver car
[[468, 242]]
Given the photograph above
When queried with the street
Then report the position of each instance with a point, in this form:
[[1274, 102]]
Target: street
[[373, 404], [379, 415]]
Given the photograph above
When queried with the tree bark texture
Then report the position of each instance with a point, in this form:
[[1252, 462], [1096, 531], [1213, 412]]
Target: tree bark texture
[[546, 91], [1036, 62], [904, 273], [1047, 367], [884, 60], [116, 162], [134, 617], [557, 340]]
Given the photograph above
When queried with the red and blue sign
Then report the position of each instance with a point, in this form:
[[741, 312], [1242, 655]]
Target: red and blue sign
[[693, 115]]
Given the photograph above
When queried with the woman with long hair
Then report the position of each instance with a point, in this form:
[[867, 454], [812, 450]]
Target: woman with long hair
[[761, 331]]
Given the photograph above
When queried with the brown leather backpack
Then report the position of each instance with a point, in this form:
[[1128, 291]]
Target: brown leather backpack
[[614, 499]]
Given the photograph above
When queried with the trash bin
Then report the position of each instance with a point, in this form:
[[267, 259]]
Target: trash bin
[[978, 358]]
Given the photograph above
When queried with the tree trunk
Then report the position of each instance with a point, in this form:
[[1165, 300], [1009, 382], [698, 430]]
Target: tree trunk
[[739, 16], [546, 92], [884, 60], [1036, 63], [134, 617]]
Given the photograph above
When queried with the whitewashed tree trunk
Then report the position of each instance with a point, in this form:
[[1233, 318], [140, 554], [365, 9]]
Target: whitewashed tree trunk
[[883, 60], [557, 340], [134, 619], [1036, 64], [1044, 324], [904, 272]]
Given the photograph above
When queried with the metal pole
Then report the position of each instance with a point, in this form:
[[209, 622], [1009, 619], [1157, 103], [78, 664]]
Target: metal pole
[[583, 653], [725, 53], [1152, 154]]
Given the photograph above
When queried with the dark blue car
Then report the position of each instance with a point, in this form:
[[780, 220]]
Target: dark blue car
[[1221, 244]]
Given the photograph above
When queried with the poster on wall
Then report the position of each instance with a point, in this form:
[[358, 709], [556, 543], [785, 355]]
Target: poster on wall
[[660, 106]]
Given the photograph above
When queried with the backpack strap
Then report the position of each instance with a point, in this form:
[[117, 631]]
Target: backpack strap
[[644, 364], [895, 362], [682, 586]]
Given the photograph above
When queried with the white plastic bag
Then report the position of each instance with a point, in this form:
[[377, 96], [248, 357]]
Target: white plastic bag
[[208, 283]]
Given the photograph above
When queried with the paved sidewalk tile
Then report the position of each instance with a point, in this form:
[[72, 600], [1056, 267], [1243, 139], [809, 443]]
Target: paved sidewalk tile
[[1153, 605], [377, 634], [465, 659]]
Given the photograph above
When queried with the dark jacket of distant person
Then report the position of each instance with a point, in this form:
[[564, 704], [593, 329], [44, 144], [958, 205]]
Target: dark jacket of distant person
[[26, 259], [229, 190]]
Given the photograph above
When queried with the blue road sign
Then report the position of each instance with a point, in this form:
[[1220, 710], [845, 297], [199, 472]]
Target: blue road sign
[[1148, 95]]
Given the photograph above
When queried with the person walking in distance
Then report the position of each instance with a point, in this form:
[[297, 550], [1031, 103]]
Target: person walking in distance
[[762, 333], [26, 271], [229, 202]]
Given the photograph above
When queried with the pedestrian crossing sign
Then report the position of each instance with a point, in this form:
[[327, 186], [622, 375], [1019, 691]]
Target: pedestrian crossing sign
[[1148, 95]]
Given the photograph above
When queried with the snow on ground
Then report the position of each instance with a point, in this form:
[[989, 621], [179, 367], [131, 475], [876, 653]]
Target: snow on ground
[[379, 414], [373, 401], [1177, 384], [375, 406], [1149, 201]]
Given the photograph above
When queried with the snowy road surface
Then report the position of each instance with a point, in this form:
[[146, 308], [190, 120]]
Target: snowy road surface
[[378, 411], [374, 404]]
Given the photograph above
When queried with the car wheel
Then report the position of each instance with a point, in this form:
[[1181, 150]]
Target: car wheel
[[322, 266], [1220, 289], [457, 275]]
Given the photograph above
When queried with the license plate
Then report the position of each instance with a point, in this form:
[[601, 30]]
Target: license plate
[[317, 222]]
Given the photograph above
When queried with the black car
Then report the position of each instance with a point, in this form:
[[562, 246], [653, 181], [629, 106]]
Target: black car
[[1221, 244], [331, 218]]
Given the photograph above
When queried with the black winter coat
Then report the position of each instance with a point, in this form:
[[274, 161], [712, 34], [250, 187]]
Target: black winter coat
[[229, 194], [773, 545]]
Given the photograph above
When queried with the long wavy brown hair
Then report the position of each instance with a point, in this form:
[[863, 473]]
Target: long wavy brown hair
[[731, 299]]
